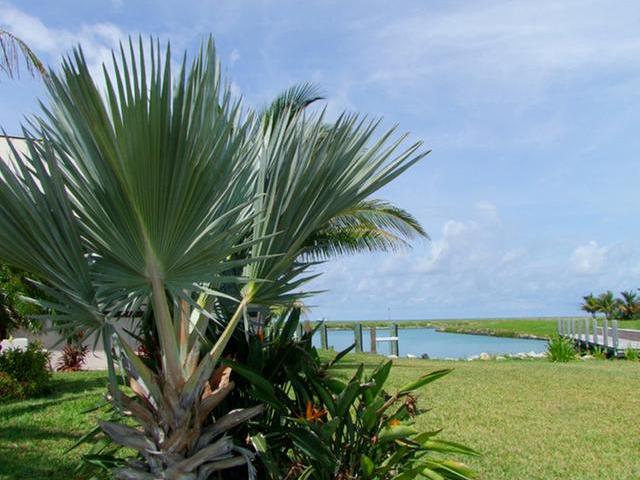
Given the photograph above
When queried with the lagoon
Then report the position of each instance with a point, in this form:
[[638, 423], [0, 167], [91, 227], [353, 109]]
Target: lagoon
[[417, 341]]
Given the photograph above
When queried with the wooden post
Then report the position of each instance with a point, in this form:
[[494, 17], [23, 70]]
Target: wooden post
[[357, 332], [324, 336], [395, 348], [605, 332], [595, 331], [615, 336], [586, 331], [374, 339]]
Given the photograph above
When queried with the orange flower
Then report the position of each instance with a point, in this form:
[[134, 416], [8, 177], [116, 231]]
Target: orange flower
[[394, 422], [314, 414]]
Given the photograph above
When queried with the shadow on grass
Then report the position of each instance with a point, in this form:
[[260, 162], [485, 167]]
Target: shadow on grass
[[21, 463], [63, 389]]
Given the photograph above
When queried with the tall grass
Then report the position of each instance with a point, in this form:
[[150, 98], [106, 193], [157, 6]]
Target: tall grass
[[560, 349]]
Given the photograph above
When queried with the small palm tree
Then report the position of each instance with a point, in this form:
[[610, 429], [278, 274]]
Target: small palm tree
[[628, 305], [590, 304], [158, 195], [607, 304], [11, 50]]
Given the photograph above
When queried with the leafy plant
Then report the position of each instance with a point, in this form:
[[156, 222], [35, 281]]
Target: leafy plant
[[631, 354], [25, 372], [318, 426], [14, 311], [357, 430], [72, 358], [599, 353], [9, 387], [560, 349]]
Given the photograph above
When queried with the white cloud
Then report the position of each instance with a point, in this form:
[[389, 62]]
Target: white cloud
[[97, 39], [513, 46], [590, 259], [234, 56]]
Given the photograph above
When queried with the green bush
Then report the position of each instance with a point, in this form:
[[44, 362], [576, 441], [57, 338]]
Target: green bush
[[9, 387], [560, 349], [631, 354], [599, 353], [24, 373]]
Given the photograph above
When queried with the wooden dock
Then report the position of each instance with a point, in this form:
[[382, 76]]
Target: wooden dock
[[588, 333]]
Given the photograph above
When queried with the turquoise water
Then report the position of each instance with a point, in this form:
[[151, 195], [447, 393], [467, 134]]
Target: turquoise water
[[416, 341]]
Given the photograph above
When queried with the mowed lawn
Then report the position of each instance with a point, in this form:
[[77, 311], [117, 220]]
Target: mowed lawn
[[530, 419]]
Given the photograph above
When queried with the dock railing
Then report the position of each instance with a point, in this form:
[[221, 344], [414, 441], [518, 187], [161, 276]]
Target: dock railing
[[587, 333], [358, 338]]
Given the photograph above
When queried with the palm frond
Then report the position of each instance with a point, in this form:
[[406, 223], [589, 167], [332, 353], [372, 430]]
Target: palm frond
[[11, 49], [291, 102], [309, 174], [370, 225]]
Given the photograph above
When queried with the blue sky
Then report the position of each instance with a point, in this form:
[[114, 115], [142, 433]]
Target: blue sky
[[531, 109]]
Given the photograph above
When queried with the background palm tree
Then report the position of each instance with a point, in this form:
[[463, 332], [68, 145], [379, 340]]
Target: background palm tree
[[607, 304], [628, 305], [590, 305], [163, 194], [12, 49]]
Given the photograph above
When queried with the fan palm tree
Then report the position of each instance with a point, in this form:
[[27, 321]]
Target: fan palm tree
[[160, 190], [11, 50], [590, 304]]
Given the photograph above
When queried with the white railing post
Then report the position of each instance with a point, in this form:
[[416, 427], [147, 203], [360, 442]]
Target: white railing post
[[605, 332], [615, 336], [571, 327], [586, 330], [579, 331], [595, 331]]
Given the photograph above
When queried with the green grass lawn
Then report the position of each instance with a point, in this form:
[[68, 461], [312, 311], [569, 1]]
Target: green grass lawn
[[34, 434], [530, 419], [539, 327]]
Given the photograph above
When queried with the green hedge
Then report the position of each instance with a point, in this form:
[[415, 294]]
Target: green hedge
[[24, 373]]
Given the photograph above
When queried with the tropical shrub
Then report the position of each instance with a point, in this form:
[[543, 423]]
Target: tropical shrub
[[560, 349], [316, 425], [14, 311], [72, 358], [25, 373], [356, 430]]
